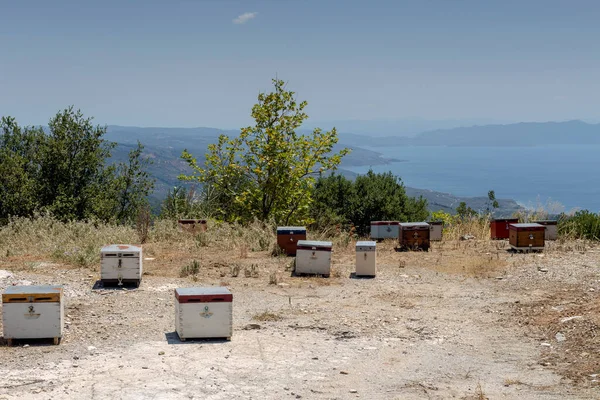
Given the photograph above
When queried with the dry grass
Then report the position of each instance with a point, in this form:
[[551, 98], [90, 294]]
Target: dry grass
[[267, 316]]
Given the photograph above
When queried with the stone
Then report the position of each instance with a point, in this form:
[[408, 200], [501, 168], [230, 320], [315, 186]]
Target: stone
[[560, 337], [353, 391], [567, 319]]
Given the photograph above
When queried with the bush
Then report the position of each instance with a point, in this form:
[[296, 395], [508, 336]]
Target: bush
[[371, 197], [582, 225]]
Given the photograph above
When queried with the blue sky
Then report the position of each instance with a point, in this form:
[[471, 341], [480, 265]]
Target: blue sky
[[187, 63]]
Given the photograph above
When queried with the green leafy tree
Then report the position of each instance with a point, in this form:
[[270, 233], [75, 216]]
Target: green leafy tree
[[370, 197], [269, 170], [492, 202], [463, 212], [73, 174], [65, 171], [19, 168]]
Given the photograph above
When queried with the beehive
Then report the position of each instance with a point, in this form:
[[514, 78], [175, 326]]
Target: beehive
[[33, 312], [366, 258], [436, 228], [121, 264], [414, 236], [551, 232], [499, 227], [203, 312], [192, 225], [313, 257], [526, 236], [288, 237], [384, 230]]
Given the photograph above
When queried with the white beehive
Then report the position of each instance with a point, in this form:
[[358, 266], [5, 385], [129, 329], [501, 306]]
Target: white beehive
[[435, 230], [203, 312], [385, 229], [32, 312], [551, 232], [313, 257], [366, 258], [121, 263]]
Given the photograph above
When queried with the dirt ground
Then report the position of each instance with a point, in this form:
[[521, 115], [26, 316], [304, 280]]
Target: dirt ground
[[467, 320]]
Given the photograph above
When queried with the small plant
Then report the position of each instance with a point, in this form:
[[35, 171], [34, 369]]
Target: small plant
[[251, 272], [267, 316], [143, 221], [235, 271], [201, 239], [273, 278], [191, 269]]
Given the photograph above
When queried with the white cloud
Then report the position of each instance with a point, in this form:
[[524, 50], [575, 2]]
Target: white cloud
[[245, 17]]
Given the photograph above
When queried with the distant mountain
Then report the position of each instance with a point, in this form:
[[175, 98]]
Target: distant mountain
[[521, 134], [393, 127]]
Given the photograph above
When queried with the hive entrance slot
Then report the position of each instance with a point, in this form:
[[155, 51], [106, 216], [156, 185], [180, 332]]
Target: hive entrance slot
[[17, 300]]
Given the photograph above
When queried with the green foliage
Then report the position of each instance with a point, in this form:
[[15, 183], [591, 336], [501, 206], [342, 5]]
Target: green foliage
[[182, 202], [268, 171], [464, 212], [582, 225], [20, 150], [446, 218], [371, 197], [492, 202], [65, 172]]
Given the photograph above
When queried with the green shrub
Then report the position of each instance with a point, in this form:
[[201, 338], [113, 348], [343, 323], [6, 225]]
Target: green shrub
[[582, 225], [370, 197]]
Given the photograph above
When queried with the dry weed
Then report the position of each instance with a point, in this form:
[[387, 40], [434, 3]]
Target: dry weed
[[267, 316]]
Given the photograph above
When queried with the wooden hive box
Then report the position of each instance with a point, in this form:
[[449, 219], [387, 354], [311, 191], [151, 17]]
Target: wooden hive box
[[366, 258], [203, 312], [499, 227], [527, 236], [33, 312], [384, 230], [551, 229], [288, 237], [120, 264], [313, 257], [436, 228], [414, 236], [192, 225]]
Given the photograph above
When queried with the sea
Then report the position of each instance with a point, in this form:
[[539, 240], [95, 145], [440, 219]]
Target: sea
[[556, 177]]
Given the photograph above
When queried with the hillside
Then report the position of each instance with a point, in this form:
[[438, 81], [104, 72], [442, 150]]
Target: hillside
[[521, 134], [164, 145]]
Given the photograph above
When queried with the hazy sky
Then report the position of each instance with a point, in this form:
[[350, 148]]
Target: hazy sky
[[202, 62]]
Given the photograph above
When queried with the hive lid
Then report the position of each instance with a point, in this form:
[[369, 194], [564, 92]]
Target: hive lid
[[528, 225], [211, 294], [290, 230], [506, 220], [191, 221], [365, 243], [436, 222], [309, 244], [413, 224], [384, 222], [29, 294], [120, 248]]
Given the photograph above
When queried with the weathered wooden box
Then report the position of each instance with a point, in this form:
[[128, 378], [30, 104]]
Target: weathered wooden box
[[203, 312], [33, 312], [121, 263], [288, 237], [436, 228], [313, 257], [551, 229], [384, 230], [499, 227], [192, 225], [526, 236], [366, 258], [414, 236]]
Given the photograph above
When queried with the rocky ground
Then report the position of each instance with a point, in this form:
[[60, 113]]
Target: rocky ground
[[467, 320]]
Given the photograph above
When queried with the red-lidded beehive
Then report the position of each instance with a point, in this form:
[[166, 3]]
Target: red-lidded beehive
[[527, 236], [288, 236], [414, 236], [203, 312], [499, 227]]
